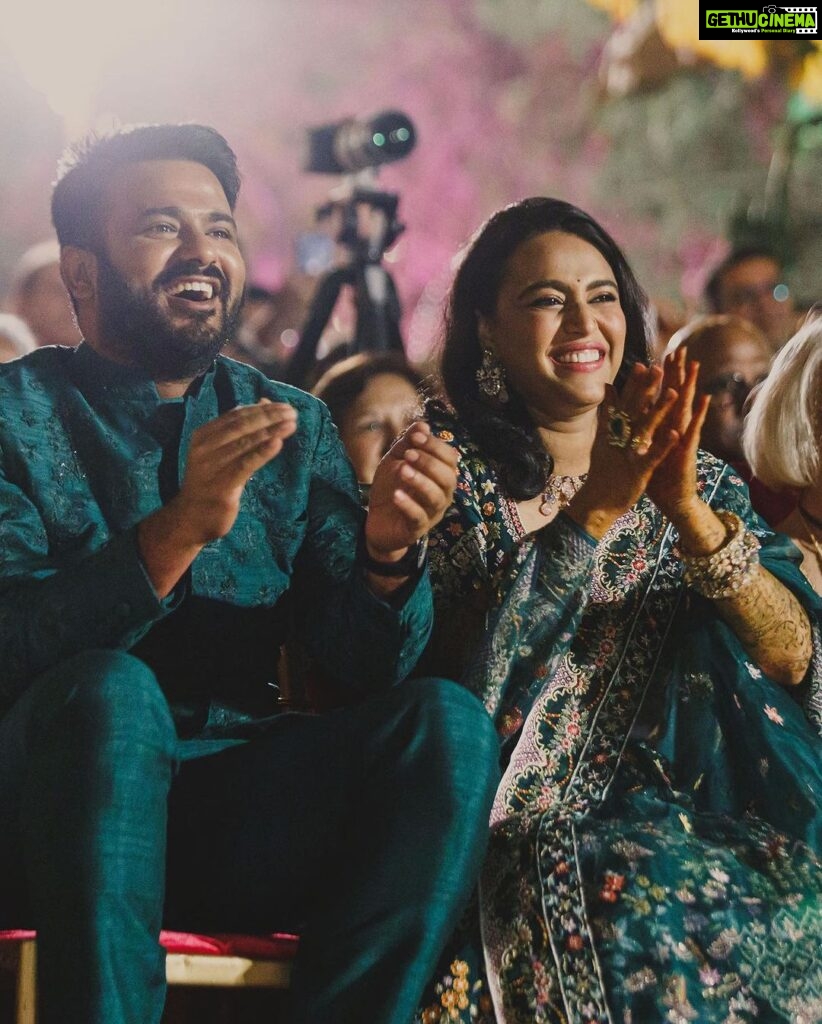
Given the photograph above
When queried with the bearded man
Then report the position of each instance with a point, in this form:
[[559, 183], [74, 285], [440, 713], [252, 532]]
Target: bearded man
[[168, 518]]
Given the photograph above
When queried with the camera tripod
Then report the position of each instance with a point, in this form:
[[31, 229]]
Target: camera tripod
[[377, 303]]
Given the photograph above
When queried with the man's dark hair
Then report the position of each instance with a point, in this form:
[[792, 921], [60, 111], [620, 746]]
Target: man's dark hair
[[713, 288], [87, 166]]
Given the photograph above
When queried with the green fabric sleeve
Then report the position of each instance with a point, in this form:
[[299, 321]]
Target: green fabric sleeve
[[103, 599], [363, 642]]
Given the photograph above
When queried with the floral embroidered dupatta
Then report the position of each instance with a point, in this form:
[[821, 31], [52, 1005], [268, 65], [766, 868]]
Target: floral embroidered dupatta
[[652, 852]]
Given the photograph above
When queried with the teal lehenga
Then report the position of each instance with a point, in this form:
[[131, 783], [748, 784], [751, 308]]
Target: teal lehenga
[[655, 841]]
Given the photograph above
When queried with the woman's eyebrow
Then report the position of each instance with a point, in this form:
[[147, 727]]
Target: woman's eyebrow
[[559, 286]]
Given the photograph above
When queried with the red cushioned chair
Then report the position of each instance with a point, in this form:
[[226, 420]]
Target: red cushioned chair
[[225, 961]]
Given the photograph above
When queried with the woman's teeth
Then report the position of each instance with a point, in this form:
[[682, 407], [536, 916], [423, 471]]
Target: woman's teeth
[[588, 355]]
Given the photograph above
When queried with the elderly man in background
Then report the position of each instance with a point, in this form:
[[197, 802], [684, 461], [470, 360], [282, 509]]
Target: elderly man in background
[[39, 297], [15, 338], [734, 358]]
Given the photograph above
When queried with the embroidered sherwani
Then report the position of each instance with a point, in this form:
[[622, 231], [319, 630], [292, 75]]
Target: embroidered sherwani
[[87, 449], [148, 772]]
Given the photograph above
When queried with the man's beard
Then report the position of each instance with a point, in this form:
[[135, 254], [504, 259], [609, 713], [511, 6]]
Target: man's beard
[[137, 330]]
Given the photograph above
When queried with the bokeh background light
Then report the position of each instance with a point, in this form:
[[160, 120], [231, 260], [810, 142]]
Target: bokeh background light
[[612, 104], [62, 50]]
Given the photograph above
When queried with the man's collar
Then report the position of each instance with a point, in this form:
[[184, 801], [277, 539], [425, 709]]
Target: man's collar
[[96, 373]]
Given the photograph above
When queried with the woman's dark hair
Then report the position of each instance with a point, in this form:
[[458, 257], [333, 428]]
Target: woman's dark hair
[[87, 166], [340, 386], [507, 436]]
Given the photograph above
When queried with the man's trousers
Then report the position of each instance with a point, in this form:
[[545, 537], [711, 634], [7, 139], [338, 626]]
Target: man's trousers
[[361, 829]]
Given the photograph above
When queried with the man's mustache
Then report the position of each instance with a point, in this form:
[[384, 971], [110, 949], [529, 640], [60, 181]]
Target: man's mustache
[[191, 268]]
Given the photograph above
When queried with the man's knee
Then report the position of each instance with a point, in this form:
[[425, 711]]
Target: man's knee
[[106, 692], [452, 733], [452, 711], [101, 751]]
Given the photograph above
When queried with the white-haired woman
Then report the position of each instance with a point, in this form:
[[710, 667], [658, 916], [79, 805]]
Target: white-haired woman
[[783, 440]]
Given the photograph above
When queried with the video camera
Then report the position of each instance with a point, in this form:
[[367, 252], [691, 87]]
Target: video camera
[[353, 145], [357, 148], [368, 226]]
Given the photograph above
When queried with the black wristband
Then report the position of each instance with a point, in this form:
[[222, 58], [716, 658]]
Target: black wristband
[[409, 565]]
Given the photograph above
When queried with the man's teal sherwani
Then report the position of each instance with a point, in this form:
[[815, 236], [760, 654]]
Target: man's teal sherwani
[[147, 773], [88, 449]]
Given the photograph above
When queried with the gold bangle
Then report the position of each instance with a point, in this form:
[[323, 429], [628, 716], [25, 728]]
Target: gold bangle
[[724, 572]]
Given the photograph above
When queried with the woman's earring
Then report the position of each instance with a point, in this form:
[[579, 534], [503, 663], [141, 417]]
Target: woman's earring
[[491, 380]]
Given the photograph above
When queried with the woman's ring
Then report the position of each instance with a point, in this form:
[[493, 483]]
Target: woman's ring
[[640, 444], [619, 428]]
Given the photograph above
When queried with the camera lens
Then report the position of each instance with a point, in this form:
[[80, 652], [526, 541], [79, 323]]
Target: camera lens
[[352, 145]]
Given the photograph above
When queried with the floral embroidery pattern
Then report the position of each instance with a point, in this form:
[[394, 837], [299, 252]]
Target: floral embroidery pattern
[[651, 857], [774, 715]]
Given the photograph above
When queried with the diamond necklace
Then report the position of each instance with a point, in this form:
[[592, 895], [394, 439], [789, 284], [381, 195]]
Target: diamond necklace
[[559, 492]]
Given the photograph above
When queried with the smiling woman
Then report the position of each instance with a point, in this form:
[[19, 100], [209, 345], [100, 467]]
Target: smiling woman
[[631, 626], [558, 326]]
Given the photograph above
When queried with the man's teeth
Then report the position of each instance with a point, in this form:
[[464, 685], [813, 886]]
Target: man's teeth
[[588, 355], [204, 288]]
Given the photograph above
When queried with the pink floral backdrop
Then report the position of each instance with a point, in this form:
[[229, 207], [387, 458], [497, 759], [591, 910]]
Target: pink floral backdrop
[[507, 99]]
